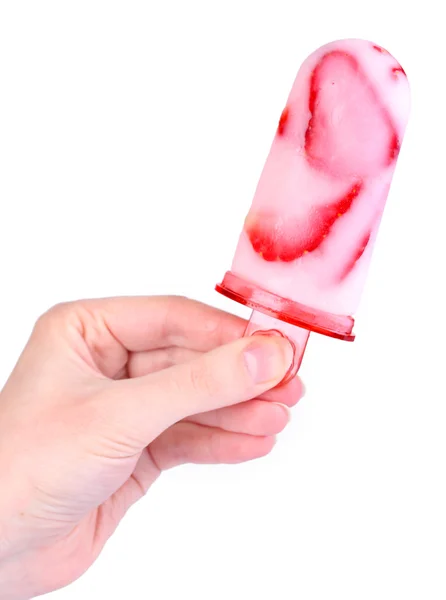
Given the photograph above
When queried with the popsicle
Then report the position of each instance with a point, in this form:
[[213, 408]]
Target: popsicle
[[304, 252]]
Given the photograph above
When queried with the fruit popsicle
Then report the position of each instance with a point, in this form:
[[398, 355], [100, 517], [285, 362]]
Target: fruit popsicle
[[304, 252]]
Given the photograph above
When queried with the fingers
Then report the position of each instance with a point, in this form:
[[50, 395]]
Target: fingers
[[145, 323], [229, 435], [191, 443], [143, 363], [288, 394], [255, 417], [231, 374]]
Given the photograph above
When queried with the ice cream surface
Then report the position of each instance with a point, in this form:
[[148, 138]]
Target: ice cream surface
[[309, 234]]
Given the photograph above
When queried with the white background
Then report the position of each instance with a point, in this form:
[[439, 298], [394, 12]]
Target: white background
[[132, 136]]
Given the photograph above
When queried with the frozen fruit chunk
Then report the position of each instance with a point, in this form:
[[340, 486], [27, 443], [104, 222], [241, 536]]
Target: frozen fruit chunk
[[276, 238], [350, 131]]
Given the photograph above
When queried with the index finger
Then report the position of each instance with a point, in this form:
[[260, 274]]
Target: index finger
[[146, 323]]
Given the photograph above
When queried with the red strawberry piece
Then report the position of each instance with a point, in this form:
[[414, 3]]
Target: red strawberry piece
[[379, 49], [350, 131], [283, 120], [286, 239], [362, 245], [396, 71], [394, 148]]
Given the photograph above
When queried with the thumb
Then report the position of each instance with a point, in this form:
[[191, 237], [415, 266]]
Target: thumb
[[227, 375]]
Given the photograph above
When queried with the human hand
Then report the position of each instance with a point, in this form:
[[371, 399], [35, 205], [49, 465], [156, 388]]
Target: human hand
[[106, 395]]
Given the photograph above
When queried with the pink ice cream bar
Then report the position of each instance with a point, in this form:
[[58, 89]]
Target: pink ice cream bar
[[304, 252]]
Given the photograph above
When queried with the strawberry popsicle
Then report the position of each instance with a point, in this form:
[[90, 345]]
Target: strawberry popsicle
[[304, 252]]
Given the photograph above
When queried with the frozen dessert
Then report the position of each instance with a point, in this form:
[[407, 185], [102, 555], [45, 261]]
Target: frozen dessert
[[304, 252]]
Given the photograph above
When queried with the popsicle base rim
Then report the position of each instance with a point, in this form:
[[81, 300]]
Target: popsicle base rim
[[249, 294]]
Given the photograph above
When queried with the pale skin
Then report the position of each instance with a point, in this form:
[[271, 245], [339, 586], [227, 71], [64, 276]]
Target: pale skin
[[105, 396]]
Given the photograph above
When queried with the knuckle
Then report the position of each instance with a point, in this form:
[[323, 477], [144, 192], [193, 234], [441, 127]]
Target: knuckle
[[57, 311], [203, 381], [52, 316], [60, 317]]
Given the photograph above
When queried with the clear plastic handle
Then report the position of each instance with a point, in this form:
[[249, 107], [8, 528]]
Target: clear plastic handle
[[262, 324]]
